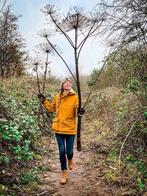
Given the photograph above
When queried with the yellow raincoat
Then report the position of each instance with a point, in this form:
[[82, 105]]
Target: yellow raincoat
[[65, 107]]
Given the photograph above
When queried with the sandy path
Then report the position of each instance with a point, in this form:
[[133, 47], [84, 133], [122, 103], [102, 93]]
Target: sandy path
[[82, 181]]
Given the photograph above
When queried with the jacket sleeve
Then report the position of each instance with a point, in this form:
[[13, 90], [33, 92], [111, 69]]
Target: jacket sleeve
[[77, 103], [50, 106]]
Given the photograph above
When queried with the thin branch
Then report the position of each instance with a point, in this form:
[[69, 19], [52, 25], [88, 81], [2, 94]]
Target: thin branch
[[122, 146], [81, 43], [99, 73], [45, 72], [60, 57], [88, 35], [4, 3], [40, 110], [37, 77], [66, 36]]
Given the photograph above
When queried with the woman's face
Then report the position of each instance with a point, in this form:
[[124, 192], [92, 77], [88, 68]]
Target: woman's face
[[67, 85]]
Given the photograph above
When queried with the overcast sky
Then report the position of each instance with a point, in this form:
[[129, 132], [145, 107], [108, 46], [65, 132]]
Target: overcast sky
[[33, 21]]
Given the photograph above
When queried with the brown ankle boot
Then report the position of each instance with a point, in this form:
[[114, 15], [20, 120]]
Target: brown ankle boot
[[63, 179], [70, 164]]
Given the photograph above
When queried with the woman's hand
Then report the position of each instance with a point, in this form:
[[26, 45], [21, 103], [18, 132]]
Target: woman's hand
[[41, 97], [81, 111]]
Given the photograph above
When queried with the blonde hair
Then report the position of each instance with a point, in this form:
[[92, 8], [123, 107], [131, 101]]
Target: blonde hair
[[67, 79], [61, 90]]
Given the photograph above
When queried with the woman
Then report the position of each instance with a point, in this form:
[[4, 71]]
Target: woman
[[65, 104]]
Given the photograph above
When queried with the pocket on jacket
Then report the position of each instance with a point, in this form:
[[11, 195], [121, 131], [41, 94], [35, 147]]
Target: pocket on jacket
[[69, 123]]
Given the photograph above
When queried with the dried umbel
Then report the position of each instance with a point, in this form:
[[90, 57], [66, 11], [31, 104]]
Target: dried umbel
[[45, 33], [75, 19], [45, 47], [53, 12], [49, 9]]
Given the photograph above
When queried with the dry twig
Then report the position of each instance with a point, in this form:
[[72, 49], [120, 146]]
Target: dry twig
[[122, 146]]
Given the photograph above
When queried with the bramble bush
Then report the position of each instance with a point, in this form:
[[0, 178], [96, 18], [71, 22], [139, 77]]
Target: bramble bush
[[17, 134]]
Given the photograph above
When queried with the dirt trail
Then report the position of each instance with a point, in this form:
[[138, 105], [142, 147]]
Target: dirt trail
[[82, 181]]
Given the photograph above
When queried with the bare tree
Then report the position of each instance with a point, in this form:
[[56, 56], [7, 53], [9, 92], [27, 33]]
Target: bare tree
[[83, 26], [126, 27], [126, 20], [12, 55]]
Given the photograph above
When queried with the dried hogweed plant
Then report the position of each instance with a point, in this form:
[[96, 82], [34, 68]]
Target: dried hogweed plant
[[82, 26]]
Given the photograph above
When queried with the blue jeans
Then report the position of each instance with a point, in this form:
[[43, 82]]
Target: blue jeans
[[65, 146]]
